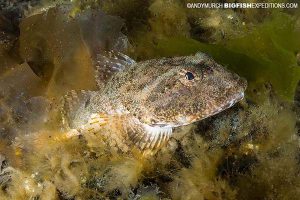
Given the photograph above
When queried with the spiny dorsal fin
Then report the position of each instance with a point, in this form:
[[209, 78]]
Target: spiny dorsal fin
[[108, 63], [151, 138]]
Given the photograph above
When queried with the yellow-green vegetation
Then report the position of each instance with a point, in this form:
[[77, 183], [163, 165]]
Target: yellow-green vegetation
[[248, 152]]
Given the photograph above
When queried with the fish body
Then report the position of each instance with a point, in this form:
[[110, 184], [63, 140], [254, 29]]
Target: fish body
[[140, 103]]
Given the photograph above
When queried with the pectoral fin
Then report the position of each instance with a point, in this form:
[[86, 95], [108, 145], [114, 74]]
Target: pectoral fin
[[150, 138]]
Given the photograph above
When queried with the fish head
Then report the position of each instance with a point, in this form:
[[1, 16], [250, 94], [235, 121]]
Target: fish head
[[172, 92]]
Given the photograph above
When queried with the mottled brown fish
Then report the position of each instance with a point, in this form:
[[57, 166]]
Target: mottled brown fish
[[139, 104]]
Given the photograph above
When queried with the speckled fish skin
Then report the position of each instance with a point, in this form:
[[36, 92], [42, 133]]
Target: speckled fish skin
[[152, 97]]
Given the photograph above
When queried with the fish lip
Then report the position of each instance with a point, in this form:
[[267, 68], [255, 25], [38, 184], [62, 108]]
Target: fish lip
[[162, 125], [240, 96], [169, 125]]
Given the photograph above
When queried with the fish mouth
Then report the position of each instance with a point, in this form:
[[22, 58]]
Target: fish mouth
[[235, 98], [186, 120]]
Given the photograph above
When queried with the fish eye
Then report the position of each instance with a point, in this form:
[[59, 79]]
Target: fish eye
[[189, 76]]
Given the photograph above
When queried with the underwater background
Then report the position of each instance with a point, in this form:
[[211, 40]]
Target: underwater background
[[250, 151]]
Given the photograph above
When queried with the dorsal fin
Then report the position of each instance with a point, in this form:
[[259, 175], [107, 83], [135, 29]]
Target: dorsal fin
[[151, 138], [108, 63]]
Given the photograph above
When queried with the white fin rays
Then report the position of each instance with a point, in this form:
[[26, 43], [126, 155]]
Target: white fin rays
[[114, 61], [150, 138], [156, 136], [109, 62]]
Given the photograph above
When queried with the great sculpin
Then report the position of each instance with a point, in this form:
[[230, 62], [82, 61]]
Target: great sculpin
[[138, 104]]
